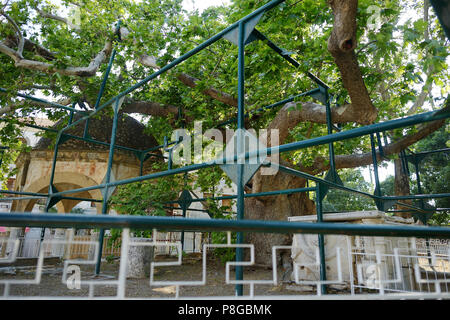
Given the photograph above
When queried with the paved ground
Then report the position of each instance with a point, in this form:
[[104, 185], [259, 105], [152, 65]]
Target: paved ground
[[191, 270]]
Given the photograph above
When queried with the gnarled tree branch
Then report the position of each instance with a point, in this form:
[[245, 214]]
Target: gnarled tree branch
[[88, 71], [47, 15], [191, 82], [21, 42], [294, 113], [364, 159], [341, 45], [19, 105], [31, 46], [149, 108]]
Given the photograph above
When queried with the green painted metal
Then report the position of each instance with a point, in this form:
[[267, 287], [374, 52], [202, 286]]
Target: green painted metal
[[254, 195], [418, 196], [234, 36], [43, 101], [21, 198], [107, 180], [332, 173], [244, 140], [240, 167], [331, 176], [142, 178], [271, 106], [432, 209], [22, 193], [322, 181], [404, 162], [358, 132], [170, 151], [380, 145], [443, 13], [71, 115], [181, 59], [161, 146], [86, 134], [84, 221], [52, 200], [388, 199], [185, 200], [321, 238], [425, 153], [45, 195], [191, 209], [339, 136], [377, 191], [69, 136], [244, 31], [419, 187], [108, 70]]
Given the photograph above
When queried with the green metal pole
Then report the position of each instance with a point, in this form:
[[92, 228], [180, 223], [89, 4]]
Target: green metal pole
[[184, 57], [375, 165], [240, 150], [418, 196], [21, 198], [200, 166], [71, 116], [330, 131], [182, 232], [358, 132], [419, 187], [380, 145], [271, 106], [107, 72], [107, 180], [49, 103], [419, 190], [321, 238], [83, 221], [22, 193], [52, 178], [141, 164], [29, 125], [55, 158], [42, 195], [253, 195], [339, 136], [185, 177], [322, 181], [105, 79]]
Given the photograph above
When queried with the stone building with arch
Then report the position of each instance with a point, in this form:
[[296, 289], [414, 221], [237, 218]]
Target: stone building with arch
[[79, 164], [82, 164]]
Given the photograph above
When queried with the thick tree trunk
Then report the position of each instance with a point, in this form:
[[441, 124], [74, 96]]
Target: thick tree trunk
[[401, 186], [275, 208]]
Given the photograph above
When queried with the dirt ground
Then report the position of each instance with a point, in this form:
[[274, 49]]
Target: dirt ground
[[51, 285]]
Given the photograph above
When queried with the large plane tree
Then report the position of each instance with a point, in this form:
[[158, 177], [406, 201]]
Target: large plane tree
[[381, 59]]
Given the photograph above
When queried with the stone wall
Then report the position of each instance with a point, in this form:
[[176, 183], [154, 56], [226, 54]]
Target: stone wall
[[74, 169]]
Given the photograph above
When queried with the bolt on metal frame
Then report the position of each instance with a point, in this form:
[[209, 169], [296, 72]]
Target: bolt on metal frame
[[241, 33]]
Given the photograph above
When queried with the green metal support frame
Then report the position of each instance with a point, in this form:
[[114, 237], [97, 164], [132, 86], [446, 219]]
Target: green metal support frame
[[241, 32], [107, 180], [83, 221]]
